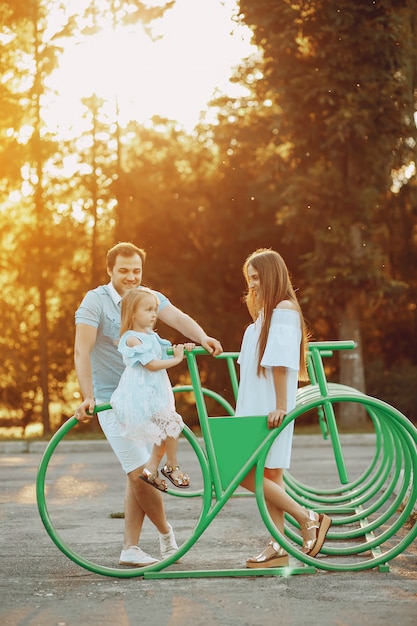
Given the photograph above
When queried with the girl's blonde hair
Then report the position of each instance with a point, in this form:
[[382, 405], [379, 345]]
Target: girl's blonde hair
[[275, 286], [129, 303]]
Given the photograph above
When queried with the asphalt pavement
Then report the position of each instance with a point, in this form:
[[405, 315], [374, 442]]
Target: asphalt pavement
[[41, 586]]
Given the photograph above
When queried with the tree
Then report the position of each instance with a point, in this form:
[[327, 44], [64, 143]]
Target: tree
[[33, 52], [342, 78], [45, 240]]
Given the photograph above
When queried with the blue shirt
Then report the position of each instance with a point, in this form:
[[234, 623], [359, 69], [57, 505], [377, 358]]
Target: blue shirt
[[100, 308]]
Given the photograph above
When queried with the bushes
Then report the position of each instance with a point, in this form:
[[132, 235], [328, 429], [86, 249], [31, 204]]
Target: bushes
[[396, 384]]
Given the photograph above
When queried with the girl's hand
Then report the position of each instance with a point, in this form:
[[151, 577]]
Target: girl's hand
[[189, 346], [275, 418], [178, 350]]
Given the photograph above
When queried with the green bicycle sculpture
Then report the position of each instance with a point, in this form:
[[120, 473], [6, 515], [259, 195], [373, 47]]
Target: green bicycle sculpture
[[373, 515]]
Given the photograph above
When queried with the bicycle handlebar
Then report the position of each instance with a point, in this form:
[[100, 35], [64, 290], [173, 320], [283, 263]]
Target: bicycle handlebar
[[321, 346]]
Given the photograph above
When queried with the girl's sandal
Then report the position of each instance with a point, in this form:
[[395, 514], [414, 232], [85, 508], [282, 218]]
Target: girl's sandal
[[182, 481], [151, 478], [321, 523]]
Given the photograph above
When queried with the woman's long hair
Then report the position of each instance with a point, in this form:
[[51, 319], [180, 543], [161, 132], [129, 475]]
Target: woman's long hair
[[129, 303], [275, 286]]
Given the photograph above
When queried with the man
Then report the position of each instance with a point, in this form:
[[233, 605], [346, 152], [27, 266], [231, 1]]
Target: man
[[99, 367]]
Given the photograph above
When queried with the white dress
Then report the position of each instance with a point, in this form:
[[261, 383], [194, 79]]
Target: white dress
[[144, 401], [256, 394]]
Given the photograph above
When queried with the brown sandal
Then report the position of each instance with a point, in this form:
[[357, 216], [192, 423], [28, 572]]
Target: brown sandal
[[322, 524], [151, 477], [183, 481]]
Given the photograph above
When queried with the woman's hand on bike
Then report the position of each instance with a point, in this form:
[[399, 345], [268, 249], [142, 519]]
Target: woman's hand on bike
[[275, 418]]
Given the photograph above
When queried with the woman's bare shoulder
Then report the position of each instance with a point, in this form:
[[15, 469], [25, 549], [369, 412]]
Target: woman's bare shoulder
[[286, 304]]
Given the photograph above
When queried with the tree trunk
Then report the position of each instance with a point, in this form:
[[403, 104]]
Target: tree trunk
[[40, 221], [43, 351], [351, 415]]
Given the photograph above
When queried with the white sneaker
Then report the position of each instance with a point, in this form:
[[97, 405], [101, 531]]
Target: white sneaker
[[167, 543], [136, 557]]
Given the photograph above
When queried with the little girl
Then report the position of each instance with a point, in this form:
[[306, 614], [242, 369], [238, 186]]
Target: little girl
[[144, 401]]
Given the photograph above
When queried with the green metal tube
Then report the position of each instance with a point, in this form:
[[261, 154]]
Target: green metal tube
[[381, 499]]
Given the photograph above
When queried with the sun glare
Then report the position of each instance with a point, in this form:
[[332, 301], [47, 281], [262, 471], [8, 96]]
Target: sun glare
[[173, 76]]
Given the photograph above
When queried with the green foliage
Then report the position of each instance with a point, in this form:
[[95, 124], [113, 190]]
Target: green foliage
[[395, 384], [338, 73], [340, 81]]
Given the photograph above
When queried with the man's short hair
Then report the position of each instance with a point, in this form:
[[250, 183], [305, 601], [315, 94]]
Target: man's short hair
[[123, 248]]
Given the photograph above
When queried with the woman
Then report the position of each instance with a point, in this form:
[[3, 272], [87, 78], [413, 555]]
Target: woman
[[272, 359]]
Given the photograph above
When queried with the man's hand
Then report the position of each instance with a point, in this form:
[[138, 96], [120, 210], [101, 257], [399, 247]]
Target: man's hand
[[81, 414], [212, 346]]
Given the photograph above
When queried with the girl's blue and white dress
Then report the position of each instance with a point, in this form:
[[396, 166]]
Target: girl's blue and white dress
[[256, 394], [144, 401]]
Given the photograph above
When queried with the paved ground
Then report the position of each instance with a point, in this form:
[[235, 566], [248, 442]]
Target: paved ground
[[40, 586]]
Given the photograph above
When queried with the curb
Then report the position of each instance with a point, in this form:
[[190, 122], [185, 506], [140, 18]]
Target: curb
[[32, 446]]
